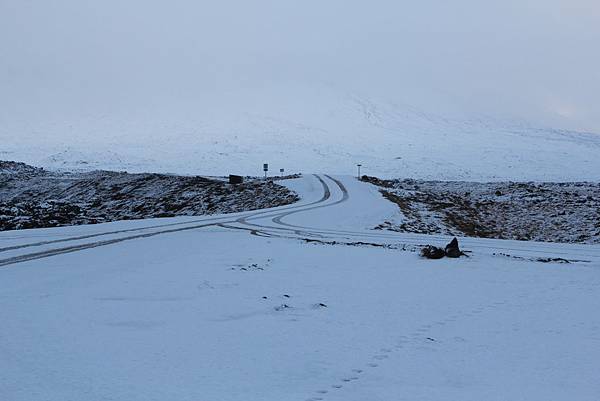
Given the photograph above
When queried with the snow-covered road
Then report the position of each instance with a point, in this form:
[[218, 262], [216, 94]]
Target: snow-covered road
[[199, 309]]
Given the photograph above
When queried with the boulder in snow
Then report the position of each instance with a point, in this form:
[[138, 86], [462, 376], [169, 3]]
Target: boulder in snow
[[432, 252]]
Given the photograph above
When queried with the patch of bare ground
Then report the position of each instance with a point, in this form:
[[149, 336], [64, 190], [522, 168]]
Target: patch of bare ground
[[552, 212], [33, 198]]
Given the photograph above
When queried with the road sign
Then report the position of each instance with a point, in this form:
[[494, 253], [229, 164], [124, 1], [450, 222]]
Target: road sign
[[266, 167]]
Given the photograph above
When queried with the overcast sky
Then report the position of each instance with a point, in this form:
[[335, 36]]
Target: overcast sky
[[536, 59]]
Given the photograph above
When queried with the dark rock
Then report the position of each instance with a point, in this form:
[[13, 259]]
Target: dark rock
[[432, 252], [453, 243], [452, 250], [453, 253]]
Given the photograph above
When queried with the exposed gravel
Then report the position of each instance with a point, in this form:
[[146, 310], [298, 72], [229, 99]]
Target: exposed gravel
[[552, 212], [31, 197]]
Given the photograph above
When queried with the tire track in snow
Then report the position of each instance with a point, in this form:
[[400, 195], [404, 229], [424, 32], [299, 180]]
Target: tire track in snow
[[75, 248], [218, 221], [82, 237], [301, 231], [326, 196], [345, 197], [202, 220]]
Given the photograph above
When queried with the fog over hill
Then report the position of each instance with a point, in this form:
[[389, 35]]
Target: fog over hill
[[465, 90]]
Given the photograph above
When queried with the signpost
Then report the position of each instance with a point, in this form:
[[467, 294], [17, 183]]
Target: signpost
[[265, 169], [281, 171], [359, 166]]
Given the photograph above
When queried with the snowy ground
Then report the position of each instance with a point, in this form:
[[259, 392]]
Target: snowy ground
[[204, 310]]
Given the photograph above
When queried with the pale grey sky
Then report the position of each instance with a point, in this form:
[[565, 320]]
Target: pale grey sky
[[534, 59]]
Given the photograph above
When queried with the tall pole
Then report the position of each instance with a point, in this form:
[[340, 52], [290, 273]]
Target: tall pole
[[359, 166]]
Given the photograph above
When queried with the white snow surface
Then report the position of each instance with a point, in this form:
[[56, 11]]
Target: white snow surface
[[302, 128], [200, 313]]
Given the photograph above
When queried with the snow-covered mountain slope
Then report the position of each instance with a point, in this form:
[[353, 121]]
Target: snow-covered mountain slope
[[300, 302], [302, 128]]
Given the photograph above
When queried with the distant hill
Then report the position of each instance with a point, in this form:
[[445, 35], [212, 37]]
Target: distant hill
[[306, 129]]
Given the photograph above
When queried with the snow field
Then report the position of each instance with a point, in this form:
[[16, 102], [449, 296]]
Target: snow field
[[219, 314]]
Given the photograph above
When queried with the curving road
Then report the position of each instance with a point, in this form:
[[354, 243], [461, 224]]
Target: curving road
[[80, 242], [334, 197]]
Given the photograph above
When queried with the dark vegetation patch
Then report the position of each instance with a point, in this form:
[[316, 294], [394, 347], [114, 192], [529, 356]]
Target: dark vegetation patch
[[554, 212], [401, 247], [541, 259], [31, 197]]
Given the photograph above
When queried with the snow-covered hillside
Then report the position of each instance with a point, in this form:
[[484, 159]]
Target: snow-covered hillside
[[33, 198], [304, 128], [553, 212]]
